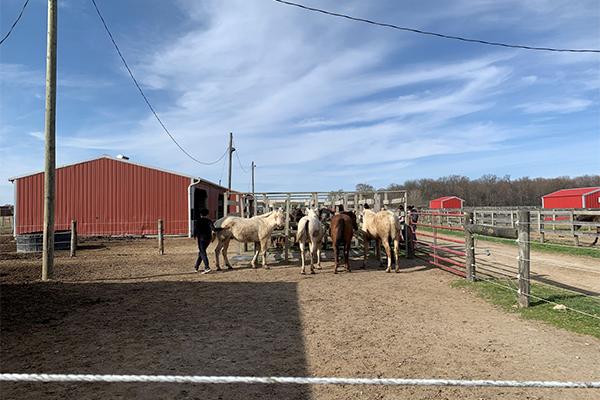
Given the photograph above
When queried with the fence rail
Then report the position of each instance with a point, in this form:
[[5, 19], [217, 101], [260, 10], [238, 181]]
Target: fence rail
[[546, 224]]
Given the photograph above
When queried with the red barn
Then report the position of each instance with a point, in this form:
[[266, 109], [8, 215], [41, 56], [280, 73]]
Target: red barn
[[588, 197], [112, 196], [446, 202]]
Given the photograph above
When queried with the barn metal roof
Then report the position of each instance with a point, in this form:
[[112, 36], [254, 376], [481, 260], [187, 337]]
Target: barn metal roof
[[446, 198], [123, 161], [573, 192]]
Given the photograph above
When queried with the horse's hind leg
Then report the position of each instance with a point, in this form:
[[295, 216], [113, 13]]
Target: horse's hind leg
[[264, 244], [256, 251], [335, 256], [366, 245], [311, 246], [224, 252], [347, 254], [386, 246], [396, 254], [217, 251], [303, 269]]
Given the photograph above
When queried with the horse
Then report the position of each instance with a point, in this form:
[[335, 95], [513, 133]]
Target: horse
[[589, 218], [325, 215], [382, 227], [257, 229], [342, 228], [310, 229]]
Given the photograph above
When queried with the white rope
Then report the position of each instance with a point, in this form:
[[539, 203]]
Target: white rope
[[290, 380]]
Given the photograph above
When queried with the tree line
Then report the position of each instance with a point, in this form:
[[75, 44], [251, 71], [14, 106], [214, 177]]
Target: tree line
[[488, 190]]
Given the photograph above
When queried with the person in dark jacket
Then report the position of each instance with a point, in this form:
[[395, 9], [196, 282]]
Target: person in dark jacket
[[203, 233]]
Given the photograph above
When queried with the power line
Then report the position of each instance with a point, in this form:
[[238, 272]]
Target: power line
[[441, 35], [15, 23], [240, 163], [144, 95]]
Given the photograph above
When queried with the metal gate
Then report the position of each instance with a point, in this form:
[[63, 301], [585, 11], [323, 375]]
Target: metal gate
[[440, 240]]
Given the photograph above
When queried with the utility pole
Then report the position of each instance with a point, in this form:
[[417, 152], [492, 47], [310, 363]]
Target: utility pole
[[50, 158], [253, 195], [253, 167], [231, 150]]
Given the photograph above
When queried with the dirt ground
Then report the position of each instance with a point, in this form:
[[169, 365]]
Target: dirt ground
[[120, 308]]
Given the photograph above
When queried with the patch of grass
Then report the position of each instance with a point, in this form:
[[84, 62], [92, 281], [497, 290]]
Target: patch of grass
[[539, 309], [545, 247]]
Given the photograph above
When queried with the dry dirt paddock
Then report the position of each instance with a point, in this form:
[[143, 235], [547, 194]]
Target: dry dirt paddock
[[120, 308]]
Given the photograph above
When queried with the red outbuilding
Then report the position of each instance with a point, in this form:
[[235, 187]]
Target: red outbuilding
[[446, 202], [588, 197], [113, 196]]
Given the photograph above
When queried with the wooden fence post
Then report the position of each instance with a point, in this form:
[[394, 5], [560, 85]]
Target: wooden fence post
[[524, 230], [575, 236], [469, 248], [161, 245], [73, 237], [541, 226]]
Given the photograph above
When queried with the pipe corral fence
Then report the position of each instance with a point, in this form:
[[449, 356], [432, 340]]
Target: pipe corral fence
[[258, 203]]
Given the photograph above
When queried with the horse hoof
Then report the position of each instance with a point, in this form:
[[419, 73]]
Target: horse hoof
[[267, 267], [388, 270], [219, 269], [397, 270], [229, 267], [312, 272], [302, 273]]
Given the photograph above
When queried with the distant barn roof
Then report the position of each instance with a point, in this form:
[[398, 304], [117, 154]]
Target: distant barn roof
[[573, 192]]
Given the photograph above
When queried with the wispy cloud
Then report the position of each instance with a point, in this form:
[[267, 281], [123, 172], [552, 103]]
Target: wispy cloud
[[561, 106]]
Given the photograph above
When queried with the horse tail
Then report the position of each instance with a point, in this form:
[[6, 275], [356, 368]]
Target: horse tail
[[339, 232], [302, 230]]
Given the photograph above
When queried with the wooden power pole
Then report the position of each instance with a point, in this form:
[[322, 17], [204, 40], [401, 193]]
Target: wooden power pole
[[253, 195], [50, 159], [231, 150], [253, 167]]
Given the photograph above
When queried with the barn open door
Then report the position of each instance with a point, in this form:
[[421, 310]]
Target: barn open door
[[198, 201]]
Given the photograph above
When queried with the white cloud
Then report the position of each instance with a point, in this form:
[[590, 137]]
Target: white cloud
[[561, 106]]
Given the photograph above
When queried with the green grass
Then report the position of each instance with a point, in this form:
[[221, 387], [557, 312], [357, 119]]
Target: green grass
[[546, 247], [540, 310]]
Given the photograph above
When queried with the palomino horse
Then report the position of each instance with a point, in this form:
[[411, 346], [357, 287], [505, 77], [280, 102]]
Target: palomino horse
[[382, 227], [310, 229], [257, 230], [342, 228]]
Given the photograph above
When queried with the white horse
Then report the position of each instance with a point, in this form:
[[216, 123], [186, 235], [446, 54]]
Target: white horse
[[382, 227], [257, 230], [310, 229]]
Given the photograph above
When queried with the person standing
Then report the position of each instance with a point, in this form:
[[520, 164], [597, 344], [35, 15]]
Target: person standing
[[413, 219], [203, 233]]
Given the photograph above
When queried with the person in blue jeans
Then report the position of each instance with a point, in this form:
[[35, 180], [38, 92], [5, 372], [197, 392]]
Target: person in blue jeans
[[203, 233]]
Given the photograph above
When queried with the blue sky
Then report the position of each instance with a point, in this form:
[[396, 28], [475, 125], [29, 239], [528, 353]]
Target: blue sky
[[317, 102]]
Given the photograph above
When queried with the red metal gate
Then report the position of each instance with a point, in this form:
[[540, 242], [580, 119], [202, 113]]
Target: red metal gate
[[438, 243]]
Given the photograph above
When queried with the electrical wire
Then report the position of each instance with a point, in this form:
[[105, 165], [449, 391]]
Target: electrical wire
[[15, 23], [244, 170], [441, 35], [222, 170], [144, 95]]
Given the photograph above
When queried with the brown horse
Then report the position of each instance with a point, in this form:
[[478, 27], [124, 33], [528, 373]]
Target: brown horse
[[342, 228]]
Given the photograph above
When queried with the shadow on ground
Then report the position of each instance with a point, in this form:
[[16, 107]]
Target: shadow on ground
[[195, 328]]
